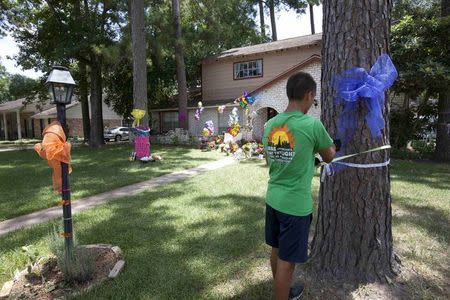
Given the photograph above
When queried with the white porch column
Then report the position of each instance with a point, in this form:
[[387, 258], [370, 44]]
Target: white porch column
[[5, 124], [19, 126]]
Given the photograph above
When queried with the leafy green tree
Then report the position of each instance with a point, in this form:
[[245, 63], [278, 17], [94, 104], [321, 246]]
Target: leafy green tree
[[4, 84], [21, 86], [50, 32], [420, 45], [5, 6], [200, 23]]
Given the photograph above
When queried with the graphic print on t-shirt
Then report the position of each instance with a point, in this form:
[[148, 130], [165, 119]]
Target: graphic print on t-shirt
[[281, 144]]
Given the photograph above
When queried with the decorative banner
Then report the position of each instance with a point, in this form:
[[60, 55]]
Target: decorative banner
[[355, 84], [199, 111], [55, 150], [137, 114]]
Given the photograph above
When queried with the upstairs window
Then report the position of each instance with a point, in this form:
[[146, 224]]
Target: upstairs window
[[248, 69]]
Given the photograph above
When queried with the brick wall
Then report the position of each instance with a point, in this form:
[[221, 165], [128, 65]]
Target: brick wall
[[76, 126], [275, 96]]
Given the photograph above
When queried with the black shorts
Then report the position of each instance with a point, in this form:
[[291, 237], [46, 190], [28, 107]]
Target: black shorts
[[289, 234]]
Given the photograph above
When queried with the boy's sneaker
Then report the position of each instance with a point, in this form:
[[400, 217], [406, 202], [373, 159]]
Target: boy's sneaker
[[296, 292]]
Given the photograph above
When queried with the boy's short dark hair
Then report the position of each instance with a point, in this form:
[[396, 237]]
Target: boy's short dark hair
[[298, 85]]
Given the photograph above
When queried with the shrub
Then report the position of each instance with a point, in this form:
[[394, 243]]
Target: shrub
[[77, 266]]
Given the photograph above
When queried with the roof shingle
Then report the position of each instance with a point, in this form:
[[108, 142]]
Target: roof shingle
[[299, 41]]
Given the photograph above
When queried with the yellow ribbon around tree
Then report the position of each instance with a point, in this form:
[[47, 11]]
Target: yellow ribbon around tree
[[55, 150], [137, 114]]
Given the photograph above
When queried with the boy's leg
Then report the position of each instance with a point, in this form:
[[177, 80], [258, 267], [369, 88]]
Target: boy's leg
[[273, 261], [272, 232], [283, 279]]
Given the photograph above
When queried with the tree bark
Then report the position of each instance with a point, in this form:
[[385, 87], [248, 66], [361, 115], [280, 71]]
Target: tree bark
[[84, 96], [96, 136], [442, 152], [181, 67], [261, 18], [272, 19], [83, 87], [353, 236], [138, 34], [311, 18]]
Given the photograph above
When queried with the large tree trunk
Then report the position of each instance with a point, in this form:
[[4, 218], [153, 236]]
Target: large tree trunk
[[181, 67], [96, 137], [353, 237], [84, 96], [442, 152], [272, 19], [139, 58], [311, 18], [261, 18], [83, 87]]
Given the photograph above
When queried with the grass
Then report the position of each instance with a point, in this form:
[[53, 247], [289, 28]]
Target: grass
[[203, 238], [25, 179]]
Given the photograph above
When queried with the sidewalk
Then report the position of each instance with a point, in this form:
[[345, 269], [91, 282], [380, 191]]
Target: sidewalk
[[16, 148], [92, 201]]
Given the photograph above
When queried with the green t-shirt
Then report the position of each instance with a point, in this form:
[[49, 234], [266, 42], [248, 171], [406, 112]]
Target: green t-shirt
[[290, 140]]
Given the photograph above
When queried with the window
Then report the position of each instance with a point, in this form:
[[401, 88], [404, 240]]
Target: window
[[170, 121], [248, 69]]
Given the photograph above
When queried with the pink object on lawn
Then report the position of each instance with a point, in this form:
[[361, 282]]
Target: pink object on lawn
[[142, 146]]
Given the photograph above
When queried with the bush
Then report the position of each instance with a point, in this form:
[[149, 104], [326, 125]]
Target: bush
[[77, 266]]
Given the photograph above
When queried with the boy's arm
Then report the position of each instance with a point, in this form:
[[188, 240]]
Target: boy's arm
[[328, 154], [324, 144]]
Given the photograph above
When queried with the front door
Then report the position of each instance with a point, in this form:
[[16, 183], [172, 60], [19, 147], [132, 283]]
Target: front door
[[271, 113]]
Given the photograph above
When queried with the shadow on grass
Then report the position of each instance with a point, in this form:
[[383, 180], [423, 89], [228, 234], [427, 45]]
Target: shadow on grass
[[434, 175], [25, 179], [171, 257], [433, 221]]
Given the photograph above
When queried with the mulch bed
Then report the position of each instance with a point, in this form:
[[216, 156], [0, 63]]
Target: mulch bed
[[50, 284]]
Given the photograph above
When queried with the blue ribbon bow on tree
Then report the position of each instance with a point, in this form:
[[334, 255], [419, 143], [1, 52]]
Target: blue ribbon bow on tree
[[355, 84]]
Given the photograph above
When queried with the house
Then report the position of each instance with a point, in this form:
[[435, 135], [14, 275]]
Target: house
[[25, 119], [262, 70]]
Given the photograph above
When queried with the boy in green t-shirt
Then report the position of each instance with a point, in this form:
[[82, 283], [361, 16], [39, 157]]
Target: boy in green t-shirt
[[291, 139]]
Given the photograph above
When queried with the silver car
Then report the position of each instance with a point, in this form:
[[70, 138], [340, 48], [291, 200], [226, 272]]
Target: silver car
[[117, 134]]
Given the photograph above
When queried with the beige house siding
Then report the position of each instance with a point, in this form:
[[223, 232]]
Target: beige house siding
[[217, 76]]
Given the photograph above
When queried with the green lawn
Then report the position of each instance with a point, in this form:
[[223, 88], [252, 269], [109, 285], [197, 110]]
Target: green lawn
[[25, 179], [203, 238]]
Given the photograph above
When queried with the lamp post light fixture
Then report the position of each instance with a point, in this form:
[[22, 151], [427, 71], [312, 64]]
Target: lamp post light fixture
[[61, 84]]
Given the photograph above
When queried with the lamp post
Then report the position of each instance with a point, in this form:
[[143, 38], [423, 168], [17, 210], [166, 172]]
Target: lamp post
[[60, 85]]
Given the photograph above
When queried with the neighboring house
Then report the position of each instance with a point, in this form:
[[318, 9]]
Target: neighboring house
[[261, 70], [27, 120]]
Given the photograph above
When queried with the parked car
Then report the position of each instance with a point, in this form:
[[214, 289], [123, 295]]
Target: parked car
[[117, 134]]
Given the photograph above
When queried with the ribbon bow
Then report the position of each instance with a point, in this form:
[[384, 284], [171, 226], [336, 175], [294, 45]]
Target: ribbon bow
[[137, 114], [55, 150], [357, 83]]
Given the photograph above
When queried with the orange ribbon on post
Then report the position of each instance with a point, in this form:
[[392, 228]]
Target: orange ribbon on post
[[55, 150]]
